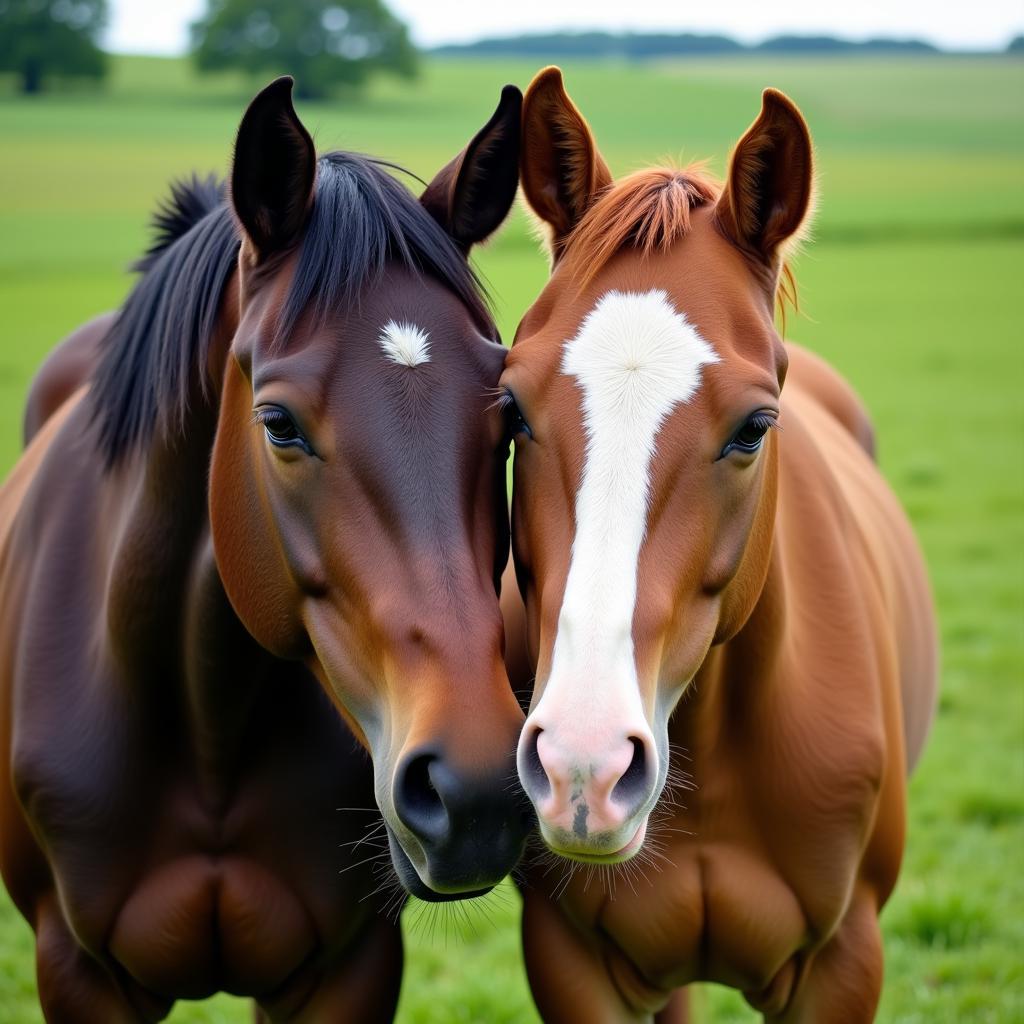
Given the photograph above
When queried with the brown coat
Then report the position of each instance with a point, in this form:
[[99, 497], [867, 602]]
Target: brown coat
[[743, 734]]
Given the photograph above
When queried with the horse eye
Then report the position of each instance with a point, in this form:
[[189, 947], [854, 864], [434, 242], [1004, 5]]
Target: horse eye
[[515, 424], [281, 430], [749, 437]]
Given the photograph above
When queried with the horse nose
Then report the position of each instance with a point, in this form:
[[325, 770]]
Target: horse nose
[[418, 804], [584, 791], [470, 826]]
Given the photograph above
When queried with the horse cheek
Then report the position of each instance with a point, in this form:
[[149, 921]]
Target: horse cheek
[[249, 557], [753, 541]]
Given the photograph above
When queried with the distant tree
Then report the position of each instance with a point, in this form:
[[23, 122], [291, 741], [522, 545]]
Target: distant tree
[[563, 45], [1015, 45], [554, 46], [323, 43], [44, 38]]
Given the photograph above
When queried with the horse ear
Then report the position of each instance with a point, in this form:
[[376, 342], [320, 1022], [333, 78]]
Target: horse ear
[[768, 194], [273, 170], [561, 169], [472, 194]]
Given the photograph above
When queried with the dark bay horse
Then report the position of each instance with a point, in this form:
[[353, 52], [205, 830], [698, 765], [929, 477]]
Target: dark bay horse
[[704, 593], [264, 535]]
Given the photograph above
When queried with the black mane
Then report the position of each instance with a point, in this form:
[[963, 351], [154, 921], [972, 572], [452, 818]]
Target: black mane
[[156, 351], [189, 202]]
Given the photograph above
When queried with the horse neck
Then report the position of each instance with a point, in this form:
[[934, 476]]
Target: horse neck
[[171, 629]]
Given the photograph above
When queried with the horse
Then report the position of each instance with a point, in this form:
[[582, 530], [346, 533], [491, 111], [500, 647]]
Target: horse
[[257, 534], [722, 595]]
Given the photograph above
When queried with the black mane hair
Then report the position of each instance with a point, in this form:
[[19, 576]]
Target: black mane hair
[[157, 350], [189, 202]]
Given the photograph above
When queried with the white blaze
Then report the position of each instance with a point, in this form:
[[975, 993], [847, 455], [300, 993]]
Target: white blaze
[[405, 343], [634, 359]]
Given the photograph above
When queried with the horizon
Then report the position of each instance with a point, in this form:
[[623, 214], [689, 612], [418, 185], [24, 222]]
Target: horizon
[[986, 26]]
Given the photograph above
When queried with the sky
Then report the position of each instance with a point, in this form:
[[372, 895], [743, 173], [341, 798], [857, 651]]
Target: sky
[[161, 26]]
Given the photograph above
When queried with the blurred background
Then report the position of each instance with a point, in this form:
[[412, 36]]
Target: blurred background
[[911, 287]]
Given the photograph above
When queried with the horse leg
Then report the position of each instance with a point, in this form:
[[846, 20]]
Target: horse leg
[[567, 971], [362, 989], [73, 987], [843, 982]]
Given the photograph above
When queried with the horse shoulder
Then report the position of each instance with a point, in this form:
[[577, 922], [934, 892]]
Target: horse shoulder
[[51, 756], [856, 677], [884, 558]]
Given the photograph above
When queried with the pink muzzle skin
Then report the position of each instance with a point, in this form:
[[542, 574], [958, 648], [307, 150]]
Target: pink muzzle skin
[[591, 792]]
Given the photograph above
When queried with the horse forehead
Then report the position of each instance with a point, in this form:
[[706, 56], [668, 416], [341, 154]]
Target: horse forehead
[[636, 347], [414, 320], [403, 320], [633, 359], [703, 276], [405, 343]]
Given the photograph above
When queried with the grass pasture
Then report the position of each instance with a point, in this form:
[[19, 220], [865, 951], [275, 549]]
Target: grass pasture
[[911, 288]]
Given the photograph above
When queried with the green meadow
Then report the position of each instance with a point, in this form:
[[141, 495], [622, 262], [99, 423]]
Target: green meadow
[[912, 287]]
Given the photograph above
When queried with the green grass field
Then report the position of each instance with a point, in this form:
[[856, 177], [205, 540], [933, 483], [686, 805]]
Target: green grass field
[[911, 288]]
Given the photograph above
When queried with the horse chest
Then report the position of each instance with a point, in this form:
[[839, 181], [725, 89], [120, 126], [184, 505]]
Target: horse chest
[[195, 924], [755, 869], [719, 913], [189, 902], [193, 887]]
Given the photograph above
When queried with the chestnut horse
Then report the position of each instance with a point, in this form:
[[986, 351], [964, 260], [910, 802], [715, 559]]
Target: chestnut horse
[[704, 594], [279, 496]]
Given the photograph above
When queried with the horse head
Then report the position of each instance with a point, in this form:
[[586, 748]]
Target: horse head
[[645, 383], [357, 488]]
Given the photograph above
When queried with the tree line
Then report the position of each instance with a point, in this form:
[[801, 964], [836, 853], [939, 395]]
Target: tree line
[[651, 45], [325, 44], [330, 44]]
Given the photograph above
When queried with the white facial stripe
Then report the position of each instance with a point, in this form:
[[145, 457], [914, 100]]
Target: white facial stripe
[[634, 359], [405, 343]]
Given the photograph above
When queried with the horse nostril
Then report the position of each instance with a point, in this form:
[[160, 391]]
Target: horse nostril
[[535, 776], [417, 801], [632, 786]]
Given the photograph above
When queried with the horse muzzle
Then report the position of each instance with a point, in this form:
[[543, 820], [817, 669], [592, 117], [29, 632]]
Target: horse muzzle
[[456, 834], [592, 793]]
